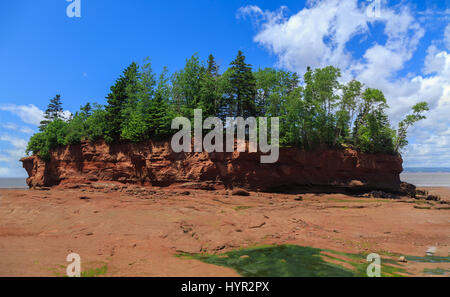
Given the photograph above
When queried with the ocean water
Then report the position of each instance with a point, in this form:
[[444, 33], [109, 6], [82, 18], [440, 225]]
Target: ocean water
[[419, 177], [427, 179], [13, 183]]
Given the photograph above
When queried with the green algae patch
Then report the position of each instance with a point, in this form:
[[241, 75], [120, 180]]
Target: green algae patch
[[242, 207], [293, 261], [95, 272]]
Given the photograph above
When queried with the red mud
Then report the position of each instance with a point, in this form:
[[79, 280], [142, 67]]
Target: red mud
[[138, 232]]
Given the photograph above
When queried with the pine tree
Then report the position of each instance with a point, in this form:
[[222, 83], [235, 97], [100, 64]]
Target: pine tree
[[213, 68], [159, 114], [54, 111], [159, 118], [210, 97], [244, 87], [86, 110], [123, 95]]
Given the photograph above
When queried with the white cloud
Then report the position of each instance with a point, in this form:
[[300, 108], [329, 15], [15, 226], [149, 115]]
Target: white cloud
[[318, 36], [15, 127], [249, 9], [66, 115], [29, 114], [447, 36], [12, 148], [11, 167], [18, 143]]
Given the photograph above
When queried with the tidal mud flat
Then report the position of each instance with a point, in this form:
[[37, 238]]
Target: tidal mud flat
[[177, 232]]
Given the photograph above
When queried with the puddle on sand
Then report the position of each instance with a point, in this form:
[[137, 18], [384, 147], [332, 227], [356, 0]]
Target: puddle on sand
[[295, 261]]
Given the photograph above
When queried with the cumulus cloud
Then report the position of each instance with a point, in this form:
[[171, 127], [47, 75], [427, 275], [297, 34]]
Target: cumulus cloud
[[10, 157], [12, 147], [319, 35], [29, 114]]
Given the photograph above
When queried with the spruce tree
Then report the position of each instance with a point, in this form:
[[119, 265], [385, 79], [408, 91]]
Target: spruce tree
[[213, 68], [54, 111], [244, 87], [122, 96], [159, 117], [210, 97]]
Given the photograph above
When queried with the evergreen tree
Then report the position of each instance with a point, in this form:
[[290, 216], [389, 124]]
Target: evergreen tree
[[122, 96], [213, 68], [243, 86], [86, 110], [159, 116], [135, 128], [147, 81], [54, 111], [210, 97]]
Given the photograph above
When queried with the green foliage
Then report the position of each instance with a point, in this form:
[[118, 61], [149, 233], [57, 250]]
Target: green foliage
[[375, 134], [121, 101], [54, 111], [186, 85], [210, 96], [243, 87], [152, 116], [317, 112], [96, 123], [400, 139], [38, 145], [54, 135]]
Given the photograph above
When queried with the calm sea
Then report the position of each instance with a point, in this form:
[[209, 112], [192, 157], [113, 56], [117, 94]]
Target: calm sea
[[421, 177], [13, 183], [427, 176], [427, 179]]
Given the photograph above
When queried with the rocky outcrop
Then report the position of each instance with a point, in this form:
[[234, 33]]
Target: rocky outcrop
[[155, 164]]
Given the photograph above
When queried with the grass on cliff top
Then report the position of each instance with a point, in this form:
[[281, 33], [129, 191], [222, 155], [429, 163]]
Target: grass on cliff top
[[296, 261]]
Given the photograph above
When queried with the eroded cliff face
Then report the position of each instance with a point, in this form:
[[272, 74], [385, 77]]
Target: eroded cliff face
[[155, 164]]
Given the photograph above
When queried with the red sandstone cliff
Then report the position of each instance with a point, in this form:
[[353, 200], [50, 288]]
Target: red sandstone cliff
[[155, 164]]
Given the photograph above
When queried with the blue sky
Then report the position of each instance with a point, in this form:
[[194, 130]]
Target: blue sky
[[404, 51]]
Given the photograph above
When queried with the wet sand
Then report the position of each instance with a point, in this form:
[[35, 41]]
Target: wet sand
[[136, 234]]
